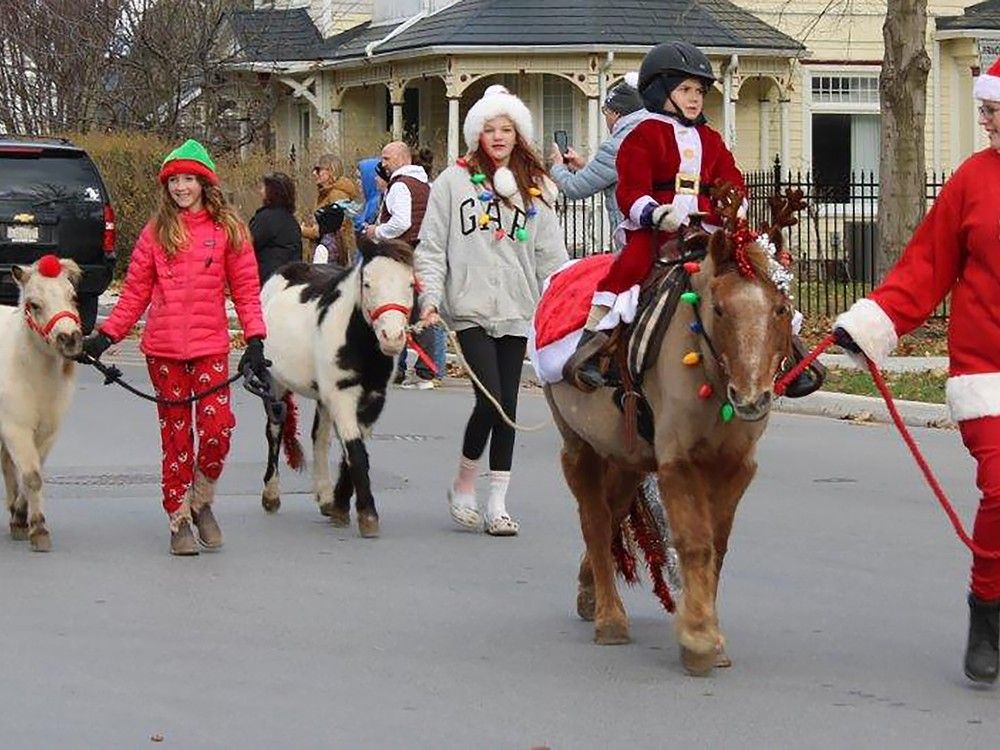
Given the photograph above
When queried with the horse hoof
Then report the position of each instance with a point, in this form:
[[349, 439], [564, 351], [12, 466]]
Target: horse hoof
[[326, 509], [698, 665], [368, 525], [40, 541], [613, 633], [722, 659], [585, 604], [19, 532], [341, 518], [270, 504]]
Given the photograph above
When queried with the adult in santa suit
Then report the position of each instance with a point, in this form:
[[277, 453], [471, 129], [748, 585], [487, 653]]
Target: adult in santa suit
[[956, 249]]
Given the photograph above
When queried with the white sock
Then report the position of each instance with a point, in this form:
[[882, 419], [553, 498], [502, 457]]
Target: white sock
[[497, 503]]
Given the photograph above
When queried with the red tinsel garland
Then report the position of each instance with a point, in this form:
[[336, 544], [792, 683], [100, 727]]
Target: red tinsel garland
[[649, 541], [624, 559], [741, 238]]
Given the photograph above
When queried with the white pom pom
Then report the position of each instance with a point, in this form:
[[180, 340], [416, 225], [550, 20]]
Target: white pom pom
[[496, 88], [504, 182], [632, 79]]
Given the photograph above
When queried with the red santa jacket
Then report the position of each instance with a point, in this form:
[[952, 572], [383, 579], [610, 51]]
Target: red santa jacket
[[650, 158], [955, 249]]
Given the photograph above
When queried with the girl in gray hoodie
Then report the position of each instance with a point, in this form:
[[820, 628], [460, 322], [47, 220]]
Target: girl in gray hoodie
[[489, 239]]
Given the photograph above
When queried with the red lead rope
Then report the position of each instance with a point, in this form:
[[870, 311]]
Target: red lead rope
[[925, 469]]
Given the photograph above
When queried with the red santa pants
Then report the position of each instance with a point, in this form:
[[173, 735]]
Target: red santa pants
[[213, 417], [982, 438], [632, 264]]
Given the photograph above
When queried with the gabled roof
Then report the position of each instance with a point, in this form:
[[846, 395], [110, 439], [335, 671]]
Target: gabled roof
[[979, 16], [273, 35], [550, 23], [270, 35]]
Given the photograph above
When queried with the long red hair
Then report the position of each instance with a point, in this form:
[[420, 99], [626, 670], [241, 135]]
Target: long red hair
[[526, 164]]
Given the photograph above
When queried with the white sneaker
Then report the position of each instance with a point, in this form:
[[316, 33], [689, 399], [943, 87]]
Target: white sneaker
[[418, 384]]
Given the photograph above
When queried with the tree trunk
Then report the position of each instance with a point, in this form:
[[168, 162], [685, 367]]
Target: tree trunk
[[903, 90]]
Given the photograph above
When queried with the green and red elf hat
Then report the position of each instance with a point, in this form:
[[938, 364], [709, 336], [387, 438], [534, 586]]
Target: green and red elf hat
[[189, 158]]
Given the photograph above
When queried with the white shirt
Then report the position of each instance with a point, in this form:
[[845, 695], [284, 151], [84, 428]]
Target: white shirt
[[399, 204]]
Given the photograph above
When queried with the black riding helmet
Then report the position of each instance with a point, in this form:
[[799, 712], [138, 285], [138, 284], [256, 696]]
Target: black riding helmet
[[665, 67]]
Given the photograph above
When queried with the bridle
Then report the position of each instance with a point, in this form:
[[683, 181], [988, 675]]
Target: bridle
[[45, 330]]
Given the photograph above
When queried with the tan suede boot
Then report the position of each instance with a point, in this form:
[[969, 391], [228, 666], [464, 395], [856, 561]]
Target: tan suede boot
[[202, 496], [182, 541]]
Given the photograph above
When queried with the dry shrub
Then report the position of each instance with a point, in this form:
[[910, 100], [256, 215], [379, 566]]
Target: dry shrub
[[129, 163]]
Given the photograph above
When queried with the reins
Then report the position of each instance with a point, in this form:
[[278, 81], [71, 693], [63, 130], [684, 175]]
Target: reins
[[924, 467], [112, 374]]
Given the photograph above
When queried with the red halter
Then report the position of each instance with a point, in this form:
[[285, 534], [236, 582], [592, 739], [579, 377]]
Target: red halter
[[389, 307], [45, 330]]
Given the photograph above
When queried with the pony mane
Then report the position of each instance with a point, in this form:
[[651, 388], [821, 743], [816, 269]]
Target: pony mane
[[397, 250]]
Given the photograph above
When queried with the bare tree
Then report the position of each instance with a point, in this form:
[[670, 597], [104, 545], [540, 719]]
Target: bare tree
[[903, 90], [53, 55]]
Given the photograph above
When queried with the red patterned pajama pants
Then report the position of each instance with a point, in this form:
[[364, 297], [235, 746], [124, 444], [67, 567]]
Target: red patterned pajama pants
[[982, 438], [213, 418]]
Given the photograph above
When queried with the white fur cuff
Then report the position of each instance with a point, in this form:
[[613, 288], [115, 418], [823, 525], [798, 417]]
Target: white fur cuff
[[871, 329], [973, 396], [987, 87]]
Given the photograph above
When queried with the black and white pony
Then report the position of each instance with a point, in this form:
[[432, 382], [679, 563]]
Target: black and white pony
[[333, 336]]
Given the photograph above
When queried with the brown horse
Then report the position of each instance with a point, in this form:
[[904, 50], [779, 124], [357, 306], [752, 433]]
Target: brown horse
[[704, 462]]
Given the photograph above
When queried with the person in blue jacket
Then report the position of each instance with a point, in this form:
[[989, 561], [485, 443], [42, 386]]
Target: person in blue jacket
[[623, 110]]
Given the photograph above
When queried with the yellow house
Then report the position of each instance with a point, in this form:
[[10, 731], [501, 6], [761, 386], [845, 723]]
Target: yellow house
[[796, 80]]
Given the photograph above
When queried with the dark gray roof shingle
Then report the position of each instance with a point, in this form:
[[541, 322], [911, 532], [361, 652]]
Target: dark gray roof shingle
[[979, 16], [291, 35], [706, 23], [274, 35]]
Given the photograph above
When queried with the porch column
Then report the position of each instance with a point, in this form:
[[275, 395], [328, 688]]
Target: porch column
[[335, 130], [765, 132], [453, 135], [784, 105], [396, 89], [593, 126]]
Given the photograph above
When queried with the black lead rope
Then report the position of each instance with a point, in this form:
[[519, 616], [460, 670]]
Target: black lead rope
[[263, 388]]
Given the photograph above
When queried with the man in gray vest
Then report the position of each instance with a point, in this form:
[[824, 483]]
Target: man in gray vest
[[623, 110]]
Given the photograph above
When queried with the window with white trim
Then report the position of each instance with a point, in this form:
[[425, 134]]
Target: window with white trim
[[305, 128], [845, 125]]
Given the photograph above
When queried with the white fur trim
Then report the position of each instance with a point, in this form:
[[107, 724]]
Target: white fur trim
[[496, 101], [987, 87], [635, 212], [623, 307], [870, 328], [973, 396], [504, 182], [632, 78], [548, 362]]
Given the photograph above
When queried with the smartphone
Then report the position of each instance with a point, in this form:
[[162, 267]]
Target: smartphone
[[562, 141]]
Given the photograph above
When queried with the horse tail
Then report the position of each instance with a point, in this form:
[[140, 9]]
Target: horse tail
[[290, 434], [644, 530]]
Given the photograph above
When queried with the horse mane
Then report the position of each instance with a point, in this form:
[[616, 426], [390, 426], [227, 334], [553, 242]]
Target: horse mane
[[397, 250]]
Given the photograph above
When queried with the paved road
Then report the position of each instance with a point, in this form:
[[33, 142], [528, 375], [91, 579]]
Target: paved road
[[842, 601]]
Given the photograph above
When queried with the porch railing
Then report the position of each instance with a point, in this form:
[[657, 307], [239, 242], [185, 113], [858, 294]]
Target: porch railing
[[834, 244]]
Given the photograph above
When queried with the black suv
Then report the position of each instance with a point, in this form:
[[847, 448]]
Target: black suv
[[53, 200]]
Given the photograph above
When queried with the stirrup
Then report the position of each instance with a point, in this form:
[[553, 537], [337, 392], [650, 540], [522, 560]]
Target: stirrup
[[581, 369]]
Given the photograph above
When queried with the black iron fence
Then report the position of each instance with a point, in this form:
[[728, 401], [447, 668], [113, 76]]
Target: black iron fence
[[834, 244]]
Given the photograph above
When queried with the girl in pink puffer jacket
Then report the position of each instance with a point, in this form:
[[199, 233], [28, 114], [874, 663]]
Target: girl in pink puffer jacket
[[194, 246]]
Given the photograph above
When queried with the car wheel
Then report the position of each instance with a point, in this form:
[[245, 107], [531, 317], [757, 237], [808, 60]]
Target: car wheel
[[88, 312]]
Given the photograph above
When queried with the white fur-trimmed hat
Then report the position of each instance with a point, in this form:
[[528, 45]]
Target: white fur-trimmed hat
[[496, 101], [987, 85]]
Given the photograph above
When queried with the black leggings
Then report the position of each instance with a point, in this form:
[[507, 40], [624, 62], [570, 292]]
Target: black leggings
[[497, 363]]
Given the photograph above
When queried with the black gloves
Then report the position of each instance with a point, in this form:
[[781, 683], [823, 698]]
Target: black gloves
[[95, 343], [253, 357], [844, 341]]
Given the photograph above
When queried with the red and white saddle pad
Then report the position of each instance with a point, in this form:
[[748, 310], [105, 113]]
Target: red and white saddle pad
[[563, 309]]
